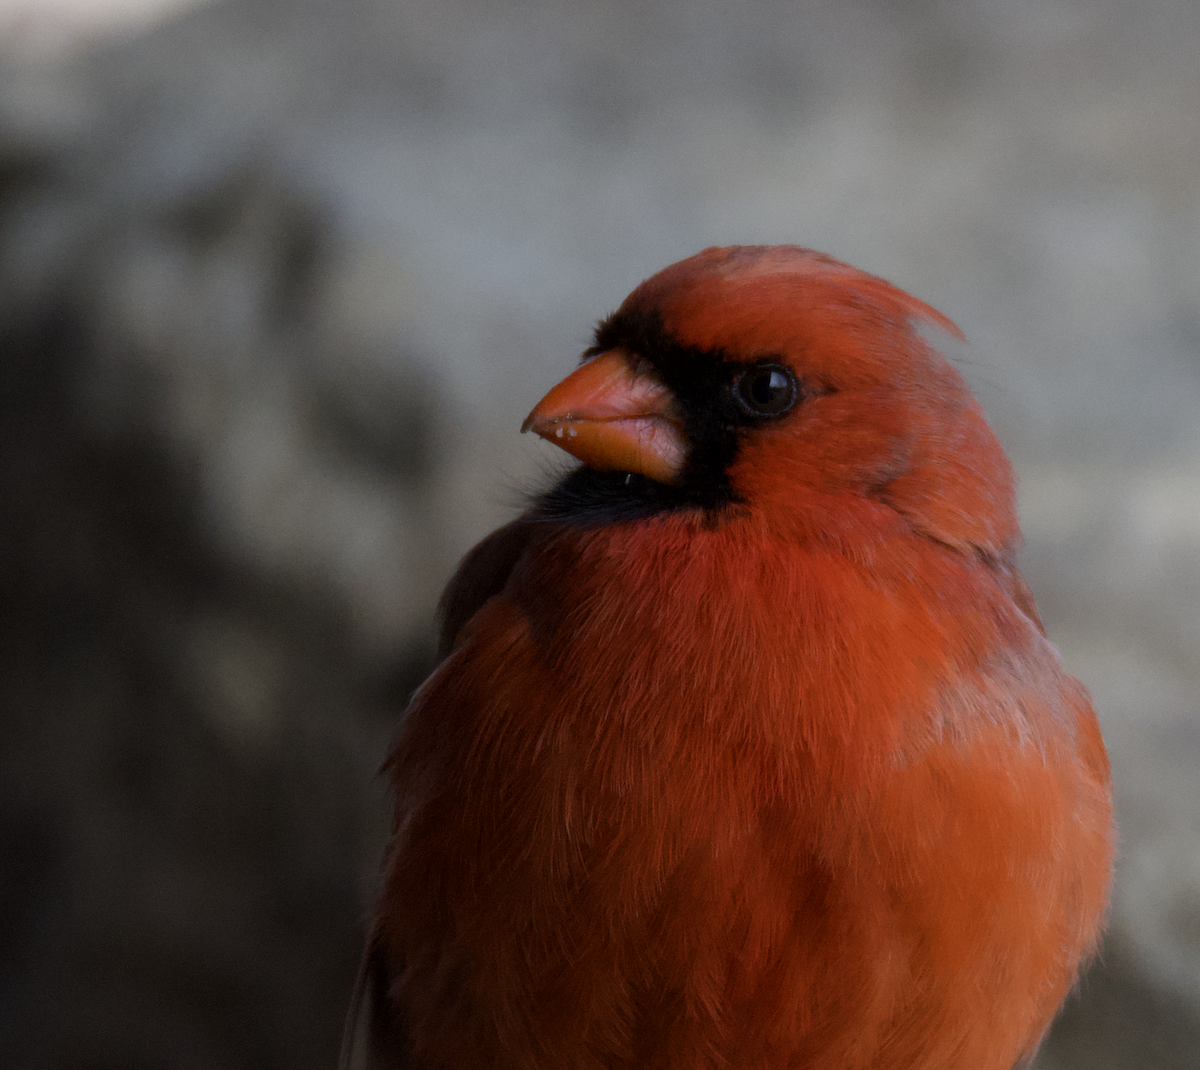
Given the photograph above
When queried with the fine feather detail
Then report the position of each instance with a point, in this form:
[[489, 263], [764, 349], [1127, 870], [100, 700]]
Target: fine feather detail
[[481, 574], [572, 823]]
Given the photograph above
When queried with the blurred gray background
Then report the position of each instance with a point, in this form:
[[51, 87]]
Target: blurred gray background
[[279, 280]]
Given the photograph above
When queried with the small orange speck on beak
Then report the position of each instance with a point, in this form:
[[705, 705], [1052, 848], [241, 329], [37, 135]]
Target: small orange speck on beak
[[614, 419]]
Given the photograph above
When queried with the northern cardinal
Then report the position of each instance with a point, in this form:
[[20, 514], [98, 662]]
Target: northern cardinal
[[747, 749]]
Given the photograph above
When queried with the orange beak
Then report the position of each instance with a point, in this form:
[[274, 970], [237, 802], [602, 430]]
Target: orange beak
[[613, 419]]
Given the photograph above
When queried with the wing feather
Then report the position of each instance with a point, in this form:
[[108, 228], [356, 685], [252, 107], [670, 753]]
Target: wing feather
[[481, 575]]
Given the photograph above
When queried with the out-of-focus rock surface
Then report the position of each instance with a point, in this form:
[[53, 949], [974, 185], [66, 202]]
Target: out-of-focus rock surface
[[278, 281]]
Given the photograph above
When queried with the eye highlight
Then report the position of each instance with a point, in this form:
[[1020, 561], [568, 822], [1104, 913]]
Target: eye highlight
[[766, 390]]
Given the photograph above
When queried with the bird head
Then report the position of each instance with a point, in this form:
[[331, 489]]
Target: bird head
[[763, 378]]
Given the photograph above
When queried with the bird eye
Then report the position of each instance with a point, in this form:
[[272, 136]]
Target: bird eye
[[766, 390]]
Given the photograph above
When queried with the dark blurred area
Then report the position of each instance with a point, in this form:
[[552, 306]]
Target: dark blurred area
[[279, 280]]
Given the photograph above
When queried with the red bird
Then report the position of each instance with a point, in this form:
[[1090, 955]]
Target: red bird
[[748, 749]]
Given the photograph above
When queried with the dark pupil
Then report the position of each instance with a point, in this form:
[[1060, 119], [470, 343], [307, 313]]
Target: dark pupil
[[768, 389], [766, 392]]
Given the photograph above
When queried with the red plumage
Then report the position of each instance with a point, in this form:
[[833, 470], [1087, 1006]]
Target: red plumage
[[769, 765]]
